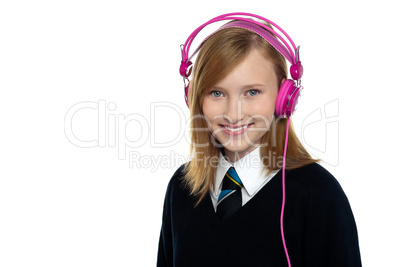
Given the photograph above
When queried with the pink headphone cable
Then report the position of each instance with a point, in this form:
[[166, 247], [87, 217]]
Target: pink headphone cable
[[283, 192]]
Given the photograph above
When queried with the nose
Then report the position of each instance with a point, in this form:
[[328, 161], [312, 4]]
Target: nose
[[234, 111]]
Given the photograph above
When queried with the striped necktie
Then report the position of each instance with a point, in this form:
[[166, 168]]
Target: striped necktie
[[229, 200]]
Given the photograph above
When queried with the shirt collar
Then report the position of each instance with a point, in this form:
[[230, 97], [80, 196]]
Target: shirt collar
[[249, 168]]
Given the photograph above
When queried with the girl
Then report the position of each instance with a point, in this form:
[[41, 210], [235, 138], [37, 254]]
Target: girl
[[226, 207]]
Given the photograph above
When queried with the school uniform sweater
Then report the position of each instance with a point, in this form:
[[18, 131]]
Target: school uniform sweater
[[319, 226]]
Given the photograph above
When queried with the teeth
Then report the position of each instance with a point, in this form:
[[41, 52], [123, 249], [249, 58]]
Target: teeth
[[235, 129]]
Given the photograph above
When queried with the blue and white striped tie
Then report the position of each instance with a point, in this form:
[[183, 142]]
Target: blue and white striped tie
[[229, 200]]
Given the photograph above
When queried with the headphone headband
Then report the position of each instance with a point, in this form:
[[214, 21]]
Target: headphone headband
[[291, 54]]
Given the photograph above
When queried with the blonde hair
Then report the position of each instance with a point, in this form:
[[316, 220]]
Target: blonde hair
[[218, 56]]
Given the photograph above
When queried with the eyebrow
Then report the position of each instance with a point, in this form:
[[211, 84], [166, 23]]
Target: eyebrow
[[247, 86]]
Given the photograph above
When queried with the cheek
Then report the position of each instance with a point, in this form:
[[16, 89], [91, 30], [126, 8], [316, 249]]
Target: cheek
[[263, 112], [264, 107], [209, 109]]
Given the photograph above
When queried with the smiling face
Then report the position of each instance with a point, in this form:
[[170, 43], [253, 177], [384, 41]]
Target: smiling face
[[240, 108]]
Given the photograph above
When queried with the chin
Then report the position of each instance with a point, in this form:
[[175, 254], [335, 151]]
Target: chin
[[243, 145]]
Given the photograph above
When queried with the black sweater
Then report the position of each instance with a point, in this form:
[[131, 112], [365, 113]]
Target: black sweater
[[319, 227]]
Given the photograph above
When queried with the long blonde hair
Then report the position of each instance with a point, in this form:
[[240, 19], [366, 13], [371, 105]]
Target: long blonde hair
[[218, 56]]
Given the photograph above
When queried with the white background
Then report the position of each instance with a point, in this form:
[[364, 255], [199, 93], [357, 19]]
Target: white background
[[65, 205]]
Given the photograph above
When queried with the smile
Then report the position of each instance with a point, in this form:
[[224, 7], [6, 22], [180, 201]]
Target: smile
[[237, 130]]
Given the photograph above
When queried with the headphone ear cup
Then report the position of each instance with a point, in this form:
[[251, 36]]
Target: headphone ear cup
[[286, 101]]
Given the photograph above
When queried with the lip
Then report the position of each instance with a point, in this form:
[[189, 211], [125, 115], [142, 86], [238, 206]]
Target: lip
[[244, 128]]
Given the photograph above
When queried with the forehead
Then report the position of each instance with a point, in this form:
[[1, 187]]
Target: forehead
[[255, 68]]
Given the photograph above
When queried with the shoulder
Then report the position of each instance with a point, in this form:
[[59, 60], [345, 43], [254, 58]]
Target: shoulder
[[315, 180], [180, 172], [176, 183], [312, 175], [321, 192], [177, 177]]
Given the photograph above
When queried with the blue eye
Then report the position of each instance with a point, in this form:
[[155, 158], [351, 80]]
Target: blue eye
[[216, 94], [253, 92]]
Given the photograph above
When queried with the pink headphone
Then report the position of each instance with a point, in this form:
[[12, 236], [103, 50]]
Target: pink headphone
[[290, 90]]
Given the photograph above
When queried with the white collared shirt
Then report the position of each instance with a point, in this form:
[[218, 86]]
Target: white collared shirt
[[250, 170]]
